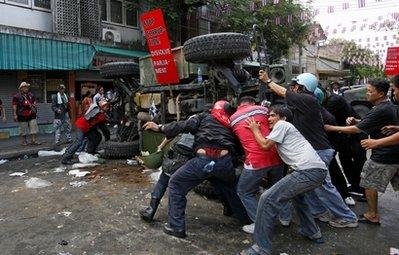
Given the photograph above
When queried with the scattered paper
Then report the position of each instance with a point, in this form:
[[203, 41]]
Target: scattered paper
[[65, 213], [37, 183], [17, 174], [394, 251], [78, 173], [77, 184], [2, 161], [87, 158], [50, 153], [60, 169], [82, 165]]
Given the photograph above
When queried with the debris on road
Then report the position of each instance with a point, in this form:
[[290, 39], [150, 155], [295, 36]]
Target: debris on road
[[84, 165], [50, 153], [2, 161], [78, 184], [78, 173], [37, 183], [17, 174], [132, 162], [65, 213], [63, 242], [86, 158], [60, 169], [394, 251]]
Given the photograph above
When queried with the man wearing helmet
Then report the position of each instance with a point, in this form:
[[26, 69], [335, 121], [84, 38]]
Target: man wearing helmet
[[214, 145], [308, 120], [87, 126]]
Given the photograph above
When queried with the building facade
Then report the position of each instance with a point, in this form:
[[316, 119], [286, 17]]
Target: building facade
[[52, 42]]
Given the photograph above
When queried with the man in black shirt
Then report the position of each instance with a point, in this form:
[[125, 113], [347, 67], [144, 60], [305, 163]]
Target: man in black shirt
[[308, 120], [214, 145], [384, 162], [350, 153]]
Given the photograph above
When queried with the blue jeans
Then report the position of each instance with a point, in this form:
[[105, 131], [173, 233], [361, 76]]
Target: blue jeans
[[293, 186], [73, 147], [160, 187], [195, 171], [248, 186], [327, 197], [82, 146]]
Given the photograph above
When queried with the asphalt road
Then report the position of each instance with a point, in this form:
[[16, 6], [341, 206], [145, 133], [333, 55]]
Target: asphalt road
[[101, 217]]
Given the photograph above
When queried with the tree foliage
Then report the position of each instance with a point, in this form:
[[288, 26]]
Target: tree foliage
[[362, 63], [236, 16]]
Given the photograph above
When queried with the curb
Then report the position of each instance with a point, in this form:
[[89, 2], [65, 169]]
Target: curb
[[22, 153]]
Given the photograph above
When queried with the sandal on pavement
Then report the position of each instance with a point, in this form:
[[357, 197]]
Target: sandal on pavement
[[364, 219]]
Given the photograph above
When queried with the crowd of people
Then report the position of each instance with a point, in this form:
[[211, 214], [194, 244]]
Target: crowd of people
[[294, 146]]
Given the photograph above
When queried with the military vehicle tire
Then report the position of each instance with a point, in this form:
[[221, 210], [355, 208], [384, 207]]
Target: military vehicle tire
[[120, 69], [206, 189], [114, 149], [218, 46]]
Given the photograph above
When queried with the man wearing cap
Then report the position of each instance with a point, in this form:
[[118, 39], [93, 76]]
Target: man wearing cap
[[87, 126], [61, 111], [308, 120], [24, 112]]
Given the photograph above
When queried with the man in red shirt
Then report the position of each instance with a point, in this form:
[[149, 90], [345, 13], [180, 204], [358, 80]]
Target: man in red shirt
[[258, 163], [87, 126]]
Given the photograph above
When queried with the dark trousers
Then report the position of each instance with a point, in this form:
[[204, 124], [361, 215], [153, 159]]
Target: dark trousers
[[352, 157], [338, 178], [193, 173], [94, 138], [161, 186]]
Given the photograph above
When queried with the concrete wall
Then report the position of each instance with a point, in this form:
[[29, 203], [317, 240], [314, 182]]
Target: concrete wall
[[17, 16]]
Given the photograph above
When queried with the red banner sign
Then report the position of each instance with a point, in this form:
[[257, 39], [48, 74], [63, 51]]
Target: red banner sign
[[392, 62], [159, 47]]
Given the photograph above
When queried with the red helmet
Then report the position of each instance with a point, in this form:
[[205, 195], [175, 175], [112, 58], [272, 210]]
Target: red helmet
[[222, 111]]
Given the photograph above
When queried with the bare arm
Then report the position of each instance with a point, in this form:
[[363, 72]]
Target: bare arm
[[266, 144], [279, 90], [378, 143], [163, 144], [345, 130]]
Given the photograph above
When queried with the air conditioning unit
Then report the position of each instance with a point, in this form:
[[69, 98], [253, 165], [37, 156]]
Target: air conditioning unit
[[111, 35]]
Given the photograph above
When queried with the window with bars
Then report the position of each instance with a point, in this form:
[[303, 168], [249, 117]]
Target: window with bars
[[122, 12], [45, 4], [116, 11]]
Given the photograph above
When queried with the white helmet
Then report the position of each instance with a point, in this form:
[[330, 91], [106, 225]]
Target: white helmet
[[308, 80]]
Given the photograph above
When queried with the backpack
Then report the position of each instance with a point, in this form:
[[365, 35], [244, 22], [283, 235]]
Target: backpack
[[179, 154]]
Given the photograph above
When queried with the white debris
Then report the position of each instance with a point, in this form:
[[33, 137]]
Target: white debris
[[132, 162], [37, 183], [65, 213], [87, 158], [2, 161], [77, 184], [394, 251], [78, 173], [155, 176], [101, 151], [60, 169], [50, 153], [17, 174], [82, 165]]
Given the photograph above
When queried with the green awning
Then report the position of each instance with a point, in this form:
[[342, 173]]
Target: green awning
[[120, 52], [19, 52]]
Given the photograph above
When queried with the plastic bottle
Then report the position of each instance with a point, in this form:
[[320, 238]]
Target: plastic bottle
[[209, 167], [199, 75]]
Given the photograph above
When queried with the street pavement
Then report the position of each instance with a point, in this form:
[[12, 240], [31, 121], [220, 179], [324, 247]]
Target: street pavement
[[101, 217]]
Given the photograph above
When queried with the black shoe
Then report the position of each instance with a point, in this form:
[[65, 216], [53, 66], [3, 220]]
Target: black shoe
[[148, 213], [177, 233], [227, 211], [67, 162]]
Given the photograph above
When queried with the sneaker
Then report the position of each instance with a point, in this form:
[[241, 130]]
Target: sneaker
[[323, 217], [284, 223], [250, 229], [67, 162], [350, 201], [342, 223]]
